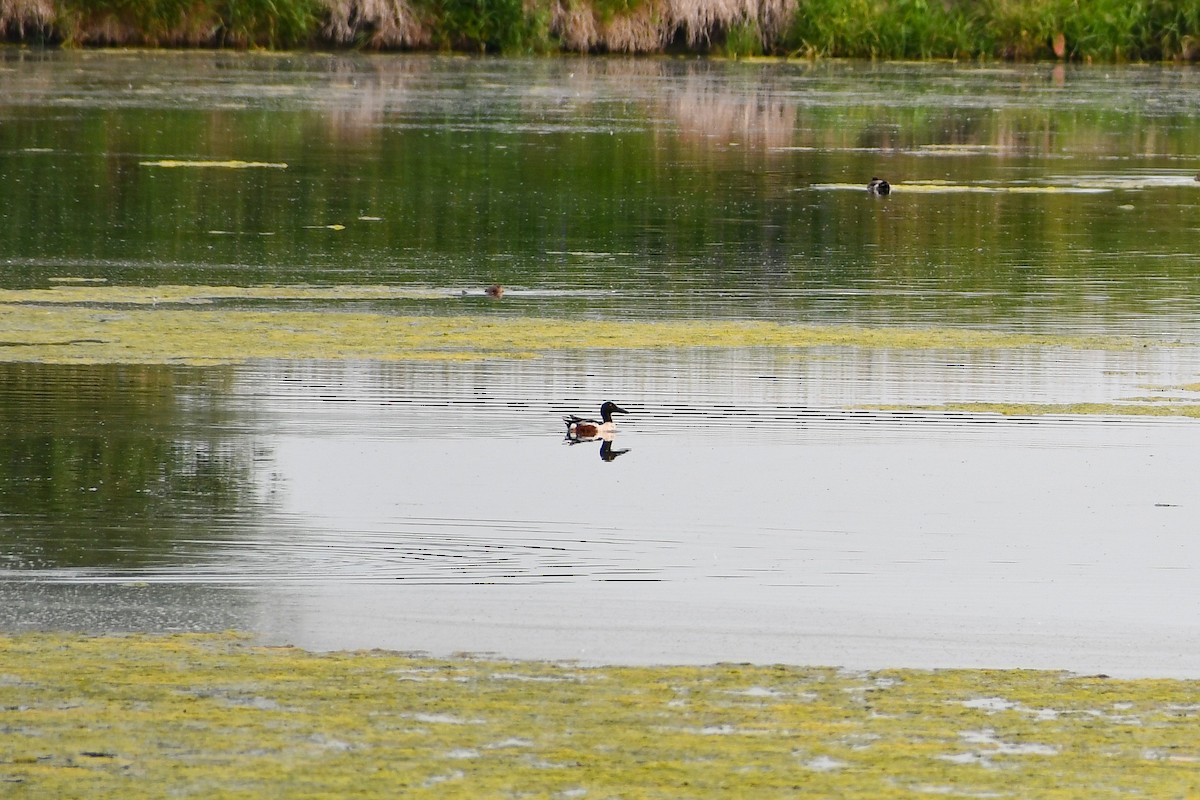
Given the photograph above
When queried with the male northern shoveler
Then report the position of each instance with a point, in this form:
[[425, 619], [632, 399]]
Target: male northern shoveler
[[878, 186], [580, 428]]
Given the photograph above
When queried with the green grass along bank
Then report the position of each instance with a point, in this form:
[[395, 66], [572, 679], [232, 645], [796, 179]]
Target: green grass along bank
[[1077, 30]]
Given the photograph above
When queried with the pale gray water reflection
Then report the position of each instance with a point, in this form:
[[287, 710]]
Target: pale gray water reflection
[[756, 516], [1067, 541], [858, 539]]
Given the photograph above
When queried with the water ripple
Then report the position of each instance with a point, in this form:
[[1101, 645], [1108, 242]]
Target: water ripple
[[413, 551]]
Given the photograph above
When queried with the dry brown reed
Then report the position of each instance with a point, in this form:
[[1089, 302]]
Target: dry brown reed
[[640, 31], [576, 26], [375, 23], [26, 18], [110, 30], [698, 18], [653, 24]]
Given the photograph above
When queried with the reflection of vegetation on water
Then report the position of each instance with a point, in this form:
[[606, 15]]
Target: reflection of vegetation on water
[[566, 174], [110, 465], [1014, 29], [57, 333], [142, 716]]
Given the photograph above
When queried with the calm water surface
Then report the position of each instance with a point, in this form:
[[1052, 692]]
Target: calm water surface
[[768, 505]]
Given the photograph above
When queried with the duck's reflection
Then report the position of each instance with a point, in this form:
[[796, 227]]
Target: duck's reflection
[[610, 453], [607, 451]]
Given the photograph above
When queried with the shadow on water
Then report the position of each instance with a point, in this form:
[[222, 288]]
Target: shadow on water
[[116, 468]]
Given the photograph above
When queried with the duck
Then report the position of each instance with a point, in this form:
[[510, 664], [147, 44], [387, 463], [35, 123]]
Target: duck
[[879, 187], [495, 290], [580, 428]]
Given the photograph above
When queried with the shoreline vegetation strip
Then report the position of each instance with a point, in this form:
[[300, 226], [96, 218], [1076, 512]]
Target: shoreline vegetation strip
[[136, 716], [1072, 30]]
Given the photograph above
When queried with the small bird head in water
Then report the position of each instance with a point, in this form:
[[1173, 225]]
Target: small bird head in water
[[878, 186]]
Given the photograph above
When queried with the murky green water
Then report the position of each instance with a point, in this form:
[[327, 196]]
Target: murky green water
[[772, 505]]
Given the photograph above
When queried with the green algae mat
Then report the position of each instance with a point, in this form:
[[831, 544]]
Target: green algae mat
[[211, 324], [216, 716], [79, 322]]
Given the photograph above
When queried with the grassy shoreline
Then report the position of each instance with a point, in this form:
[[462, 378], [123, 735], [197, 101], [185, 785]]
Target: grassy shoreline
[[154, 716], [1078, 30]]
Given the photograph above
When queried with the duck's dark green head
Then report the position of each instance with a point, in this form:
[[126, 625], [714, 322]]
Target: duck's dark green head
[[608, 409]]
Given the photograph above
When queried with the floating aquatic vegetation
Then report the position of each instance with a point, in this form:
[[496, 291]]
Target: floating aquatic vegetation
[[946, 187], [1072, 184], [1131, 408], [171, 163], [153, 716], [188, 294], [111, 324]]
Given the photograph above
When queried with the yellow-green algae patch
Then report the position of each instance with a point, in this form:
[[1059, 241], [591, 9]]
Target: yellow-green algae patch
[[216, 716], [1093, 185], [105, 324], [203, 164], [936, 187], [205, 295], [1132, 408]]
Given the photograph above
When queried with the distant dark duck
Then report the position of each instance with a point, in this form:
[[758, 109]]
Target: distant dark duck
[[878, 186], [495, 290], [580, 428]]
